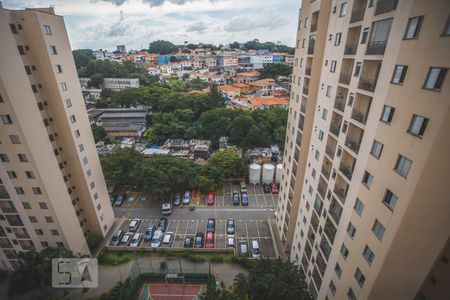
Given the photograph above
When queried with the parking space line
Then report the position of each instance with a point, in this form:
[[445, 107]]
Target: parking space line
[[257, 229], [246, 229], [196, 227]]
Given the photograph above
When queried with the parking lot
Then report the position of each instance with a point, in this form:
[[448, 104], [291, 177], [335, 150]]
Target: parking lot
[[244, 230]]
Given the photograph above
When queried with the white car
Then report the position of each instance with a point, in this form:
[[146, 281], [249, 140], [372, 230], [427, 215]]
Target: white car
[[157, 238], [136, 240], [256, 252], [167, 240], [134, 225], [126, 238], [186, 198], [230, 241], [166, 209]]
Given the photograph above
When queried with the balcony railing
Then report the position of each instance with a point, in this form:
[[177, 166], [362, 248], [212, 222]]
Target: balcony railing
[[359, 116], [303, 108], [341, 193], [347, 171], [322, 190], [313, 27], [376, 48], [350, 49], [329, 151], [9, 210], [327, 175], [311, 45], [344, 78], [384, 6], [308, 71], [339, 104], [354, 146], [336, 213], [334, 129], [357, 15], [305, 90], [367, 84]]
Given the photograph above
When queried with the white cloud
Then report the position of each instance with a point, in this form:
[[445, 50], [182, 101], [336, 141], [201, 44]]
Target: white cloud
[[252, 22], [199, 27]]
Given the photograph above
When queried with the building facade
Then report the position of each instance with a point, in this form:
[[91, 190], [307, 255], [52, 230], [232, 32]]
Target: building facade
[[364, 203], [52, 189]]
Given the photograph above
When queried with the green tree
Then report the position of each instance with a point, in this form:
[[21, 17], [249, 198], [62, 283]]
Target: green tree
[[245, 132], [122, 167], [275, 70], [106, 93], [82, 57], [98, 132], [162, 47], [96, 81], [235, 45], [228, 161], [205, 184]]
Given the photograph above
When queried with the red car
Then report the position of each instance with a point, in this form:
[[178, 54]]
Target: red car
[[210, 200], [274, 188], [209, 240]]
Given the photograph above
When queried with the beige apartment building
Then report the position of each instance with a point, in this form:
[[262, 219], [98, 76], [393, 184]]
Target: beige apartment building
[[364, 206], [52, 189]]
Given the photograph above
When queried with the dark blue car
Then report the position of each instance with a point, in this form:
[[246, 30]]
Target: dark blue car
[[149, 232]]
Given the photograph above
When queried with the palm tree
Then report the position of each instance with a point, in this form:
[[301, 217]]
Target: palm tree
[[241, 286]]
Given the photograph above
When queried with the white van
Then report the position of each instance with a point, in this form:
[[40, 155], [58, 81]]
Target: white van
[[166, 209], [134, 225], [157, 238], [256, 253]]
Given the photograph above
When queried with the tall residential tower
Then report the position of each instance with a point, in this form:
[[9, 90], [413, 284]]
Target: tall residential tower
[[52, 189], [364, 207]]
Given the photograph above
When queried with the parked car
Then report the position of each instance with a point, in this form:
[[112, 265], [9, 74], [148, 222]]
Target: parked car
[[157, 238], [142, 198], [243, 248], [167, 239], [235, 198], [211, 199], [136, 240], [230, 226], [119, 201], [149, 232], [163, 223], [256, 253], [230, 241], [243, 187], [186, 198], [209, 240], [111, 188], [177, 199], [166, 209], [130, 197], [211, 225], [134, 225], [126, 238], [116, 238], [199, 240], [274, 188], [188, 241], [266, 188], [244, 199], [112, 198]]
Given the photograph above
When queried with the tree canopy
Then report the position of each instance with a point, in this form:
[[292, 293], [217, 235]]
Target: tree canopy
[[162, 47], [275, 70]]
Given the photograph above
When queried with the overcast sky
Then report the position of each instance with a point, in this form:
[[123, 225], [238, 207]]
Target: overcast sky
[[106, 23]]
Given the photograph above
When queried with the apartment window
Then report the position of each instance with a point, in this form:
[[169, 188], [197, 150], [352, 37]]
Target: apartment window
[[48, 219], [399, 74], [44, 244], [358, 207], [58, 69], [418, 125], [32, 219], [332, 287], [402, 166], [351, 295], [328, 92], [95, 196], [306, 22], [413, 28], [92, 185], [390, 200], [60, 244], [28, 70], [344, 251], [73, 119], [303, 43], [310, 190], [435, 78], [368, 255], [388, 114], [22, 157], [343, 10], [378, 229], [447, 28], [43, 205], [333, 66], [47, 30], [337, 39], [351, 230], [85, 160], [63, 86], [357, 69], [6, 119], [39, 232], [21, 50], [359, 276], [88, 173], [19, 190], [324, 114], [317, 155], [54, 232], [14, 139], [377, 148], [53, 50], [29, 174], [338, 270], [37, 190], [99, 206], [345, 127], [365, 35], [34, 88], [77, 133], [81, 147], [320, 135], [367, 179], [13, 28], [4, 158]]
